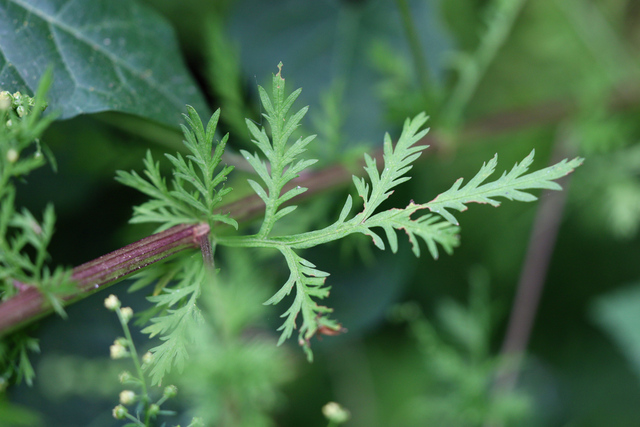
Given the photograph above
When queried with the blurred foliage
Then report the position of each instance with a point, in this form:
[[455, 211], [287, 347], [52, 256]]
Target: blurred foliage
[[236, 374], [455, 350], [618, 314], [566, 75]]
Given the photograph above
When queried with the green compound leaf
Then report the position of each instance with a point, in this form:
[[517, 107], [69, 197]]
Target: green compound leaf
[[429, 228], [510, 186], [284, 164], [175, 316], [434, 230], [397, 162], [197, 187], [308, 281], [105, 55], [309, 284]]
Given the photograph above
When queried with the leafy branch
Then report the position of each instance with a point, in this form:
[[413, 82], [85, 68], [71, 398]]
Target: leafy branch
[[438, 228], [21, 124], [24, 239], [309, 281], [196, 188]]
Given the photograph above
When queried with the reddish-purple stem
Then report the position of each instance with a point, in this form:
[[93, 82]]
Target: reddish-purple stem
[[30, 304], [533, 275]]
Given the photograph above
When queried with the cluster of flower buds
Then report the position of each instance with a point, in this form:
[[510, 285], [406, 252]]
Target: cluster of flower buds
[[21, 104], [120, 349]]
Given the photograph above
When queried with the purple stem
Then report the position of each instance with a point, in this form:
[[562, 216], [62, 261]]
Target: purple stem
[[30, 304], [533, 275]]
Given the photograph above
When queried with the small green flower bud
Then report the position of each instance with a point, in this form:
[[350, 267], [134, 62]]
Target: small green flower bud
[[170, 391], [147, 358], [127, 314], [112, 302], [9, 123], [21, 111], [120, 412], [5, 100], [127, 397], [334, 412], [153, 410], [17, 99], [124, 377], [118, 351], [122, 341], [12, 155]]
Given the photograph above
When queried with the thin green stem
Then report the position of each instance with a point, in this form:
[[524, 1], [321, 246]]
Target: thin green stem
[[134, 419], [296, 241], [207, 252], [473, 68], [136, 360]]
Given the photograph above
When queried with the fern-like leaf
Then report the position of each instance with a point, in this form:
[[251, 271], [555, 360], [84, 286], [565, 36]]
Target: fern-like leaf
[[309, 284], [432, 229], [397, 162], [175, 316], [284, 164], [510, 185], [194, 191]]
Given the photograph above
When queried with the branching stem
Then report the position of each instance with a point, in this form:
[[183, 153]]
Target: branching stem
[[30, 304]]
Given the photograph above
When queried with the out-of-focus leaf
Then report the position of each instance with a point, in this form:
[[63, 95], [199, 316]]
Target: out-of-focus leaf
[[13, 415], [320, 42], [106, 55], [619, 316]]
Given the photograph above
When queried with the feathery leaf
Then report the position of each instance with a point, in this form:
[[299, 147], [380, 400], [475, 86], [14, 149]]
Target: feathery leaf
[[510, 185], [194, 191]]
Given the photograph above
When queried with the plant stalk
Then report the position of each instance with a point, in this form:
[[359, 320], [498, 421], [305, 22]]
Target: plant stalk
[[473, 68], [533, 275], [30, 304]]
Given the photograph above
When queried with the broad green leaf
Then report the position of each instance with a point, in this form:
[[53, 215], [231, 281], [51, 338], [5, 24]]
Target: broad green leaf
[[106, 55]]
